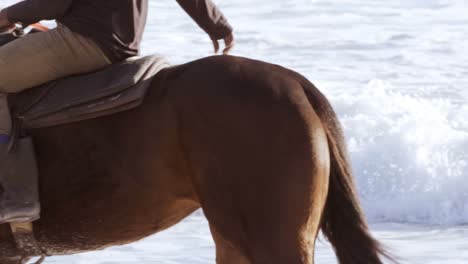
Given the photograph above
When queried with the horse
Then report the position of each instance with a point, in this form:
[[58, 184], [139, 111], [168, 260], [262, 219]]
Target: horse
[[256, 146]]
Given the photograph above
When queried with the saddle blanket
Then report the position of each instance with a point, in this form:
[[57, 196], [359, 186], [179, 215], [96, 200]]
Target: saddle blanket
[[117, 88]]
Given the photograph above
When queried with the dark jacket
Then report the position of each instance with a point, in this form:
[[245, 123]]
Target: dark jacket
[[115, 25]]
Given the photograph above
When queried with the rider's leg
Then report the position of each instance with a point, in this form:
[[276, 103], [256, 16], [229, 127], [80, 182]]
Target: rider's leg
[[25, 63], [41, 57]]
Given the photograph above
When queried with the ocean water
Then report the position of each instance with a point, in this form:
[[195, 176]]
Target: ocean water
[[396, 72]]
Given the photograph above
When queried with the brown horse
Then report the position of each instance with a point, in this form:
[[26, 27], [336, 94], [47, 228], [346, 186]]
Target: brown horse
[[256, 146]]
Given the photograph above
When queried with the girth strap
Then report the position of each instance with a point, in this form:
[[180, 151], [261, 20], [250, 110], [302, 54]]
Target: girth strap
[[26, 243]]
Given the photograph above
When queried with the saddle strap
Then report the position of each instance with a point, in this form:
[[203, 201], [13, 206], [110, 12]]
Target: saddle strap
[[26, 243]]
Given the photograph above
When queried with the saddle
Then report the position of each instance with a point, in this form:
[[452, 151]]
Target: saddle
[[116, 88]]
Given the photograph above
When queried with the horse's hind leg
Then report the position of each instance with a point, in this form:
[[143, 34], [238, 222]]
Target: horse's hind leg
[[265, 206], [227, 253], [248, 252], [265, 237]]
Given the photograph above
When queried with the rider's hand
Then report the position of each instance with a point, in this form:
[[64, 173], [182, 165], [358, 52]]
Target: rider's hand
[[228, 42]]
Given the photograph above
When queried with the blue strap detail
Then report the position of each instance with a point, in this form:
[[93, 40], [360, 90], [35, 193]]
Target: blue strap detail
[[4, 139]]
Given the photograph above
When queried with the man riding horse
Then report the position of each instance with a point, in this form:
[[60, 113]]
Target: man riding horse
[[91, 34]]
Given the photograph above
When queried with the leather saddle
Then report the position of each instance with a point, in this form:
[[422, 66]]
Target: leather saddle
[[116, 88]]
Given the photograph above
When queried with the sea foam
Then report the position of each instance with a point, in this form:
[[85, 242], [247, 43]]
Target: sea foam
[[409, 154]]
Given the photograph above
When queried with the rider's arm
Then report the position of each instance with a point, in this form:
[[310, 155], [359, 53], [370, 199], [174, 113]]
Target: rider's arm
[[208, 17], [32, 11]]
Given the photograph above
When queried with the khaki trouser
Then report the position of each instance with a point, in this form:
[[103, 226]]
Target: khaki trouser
[[41, 57]]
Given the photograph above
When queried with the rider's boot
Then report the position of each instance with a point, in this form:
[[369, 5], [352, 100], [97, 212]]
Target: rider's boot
[[18, 182]]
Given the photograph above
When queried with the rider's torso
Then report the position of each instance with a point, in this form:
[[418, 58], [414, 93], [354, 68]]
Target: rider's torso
[[116, 25]]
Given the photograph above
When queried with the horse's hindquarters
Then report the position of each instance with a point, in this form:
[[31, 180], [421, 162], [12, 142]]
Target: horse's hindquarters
[[261, 164]]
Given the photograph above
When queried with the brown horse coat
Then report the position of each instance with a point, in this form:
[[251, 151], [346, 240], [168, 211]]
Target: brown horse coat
[[253, 144]]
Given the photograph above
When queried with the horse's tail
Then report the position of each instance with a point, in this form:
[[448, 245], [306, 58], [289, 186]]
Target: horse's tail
[[343, 221]]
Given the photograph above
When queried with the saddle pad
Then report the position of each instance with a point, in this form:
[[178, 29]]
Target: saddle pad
[[116, 88]]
